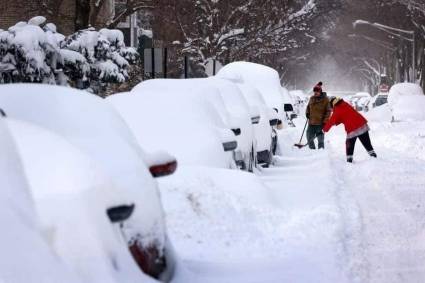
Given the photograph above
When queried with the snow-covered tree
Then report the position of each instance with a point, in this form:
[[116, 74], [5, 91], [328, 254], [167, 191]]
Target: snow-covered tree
[[230, 30], [34, 51], [97, 57]]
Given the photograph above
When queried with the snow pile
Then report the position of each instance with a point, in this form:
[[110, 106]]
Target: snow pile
[[407, 102], [381, 113], [36, 52], [25, 254], [227, 210]]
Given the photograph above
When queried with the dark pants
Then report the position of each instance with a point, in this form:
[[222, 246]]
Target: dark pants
[[365, 140], [314, 131]]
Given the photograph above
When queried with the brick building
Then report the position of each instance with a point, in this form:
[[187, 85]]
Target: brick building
[[60, 12], [64, 13]]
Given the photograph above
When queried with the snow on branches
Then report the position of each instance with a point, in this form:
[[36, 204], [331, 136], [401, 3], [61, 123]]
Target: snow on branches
[[34, 51]]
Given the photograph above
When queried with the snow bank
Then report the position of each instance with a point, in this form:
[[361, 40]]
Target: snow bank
[[228, 211], [381, 113], [407, 102], [25, 254]]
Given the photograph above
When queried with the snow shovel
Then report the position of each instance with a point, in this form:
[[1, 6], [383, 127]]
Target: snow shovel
[[299, 145]]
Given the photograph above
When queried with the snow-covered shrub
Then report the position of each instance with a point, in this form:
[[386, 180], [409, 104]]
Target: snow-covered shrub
[[34, 51], [29, 54]]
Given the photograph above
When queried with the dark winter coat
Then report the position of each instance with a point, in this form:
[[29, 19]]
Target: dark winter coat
[[318, 109], [344, 113]]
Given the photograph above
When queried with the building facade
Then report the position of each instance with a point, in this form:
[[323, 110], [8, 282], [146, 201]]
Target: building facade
[[60, 12]]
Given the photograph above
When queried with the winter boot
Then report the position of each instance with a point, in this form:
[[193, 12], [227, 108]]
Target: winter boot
[[350, 159], [372, 153]]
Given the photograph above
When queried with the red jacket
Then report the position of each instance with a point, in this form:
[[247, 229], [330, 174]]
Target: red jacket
[[347, 115]]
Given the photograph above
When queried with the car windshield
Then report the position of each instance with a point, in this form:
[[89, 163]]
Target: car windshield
[[382, 99]]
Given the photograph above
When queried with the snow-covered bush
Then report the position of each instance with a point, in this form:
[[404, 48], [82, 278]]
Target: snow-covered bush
[[34, 51], [29, 54]]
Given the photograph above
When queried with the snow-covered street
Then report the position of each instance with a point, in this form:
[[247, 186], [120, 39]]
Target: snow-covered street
[[325, 221]]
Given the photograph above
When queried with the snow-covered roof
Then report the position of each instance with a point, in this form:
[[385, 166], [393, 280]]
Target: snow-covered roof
[[264, 78]]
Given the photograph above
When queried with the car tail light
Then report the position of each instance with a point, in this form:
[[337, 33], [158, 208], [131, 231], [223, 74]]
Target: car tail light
[[163, 169], [151, 261], [255, 120]]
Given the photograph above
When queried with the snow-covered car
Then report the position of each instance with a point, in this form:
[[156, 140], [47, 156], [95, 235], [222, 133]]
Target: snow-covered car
[[228, 102], [265, 136], [241, 116], [93, 126], [25, 254], [79, 207], [180, 121], [407, 102], [264, 78], [359, 100]]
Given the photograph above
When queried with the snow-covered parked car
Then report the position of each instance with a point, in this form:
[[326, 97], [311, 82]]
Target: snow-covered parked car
[[265, 136], [25, 254], [79, 206], [93, 126], [359, 100], [228, 102], [242, 116], [407, 102], [264, 78], [173, 117]]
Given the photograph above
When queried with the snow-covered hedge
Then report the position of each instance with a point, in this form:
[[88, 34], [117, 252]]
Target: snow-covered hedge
[[34, 51]]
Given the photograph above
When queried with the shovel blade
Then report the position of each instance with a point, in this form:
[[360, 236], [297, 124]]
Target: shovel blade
[[299, 145]]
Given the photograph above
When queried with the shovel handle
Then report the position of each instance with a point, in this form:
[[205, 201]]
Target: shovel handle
[[302, 135]]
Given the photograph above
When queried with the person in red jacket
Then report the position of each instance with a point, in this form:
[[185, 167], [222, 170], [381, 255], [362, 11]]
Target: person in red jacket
[[355, 125]]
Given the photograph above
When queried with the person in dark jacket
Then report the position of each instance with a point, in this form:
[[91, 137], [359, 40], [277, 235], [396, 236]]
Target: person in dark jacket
[[355, 125], [317, 112]]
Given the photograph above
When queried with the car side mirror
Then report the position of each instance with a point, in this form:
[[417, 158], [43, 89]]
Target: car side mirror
[[120, 213], [274, 122], [230, 145], [287, 107], [237, 131]]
